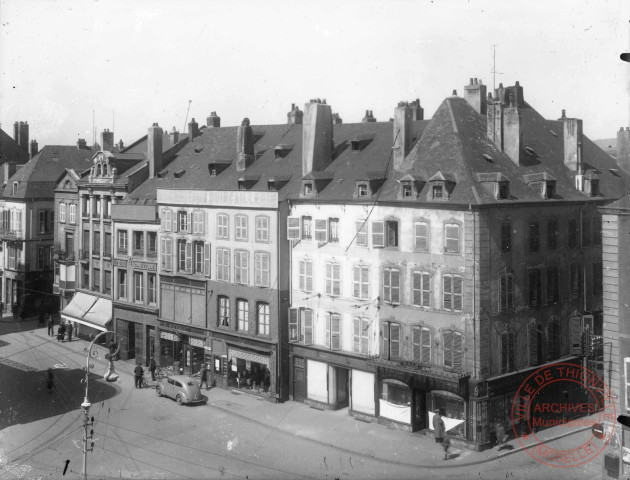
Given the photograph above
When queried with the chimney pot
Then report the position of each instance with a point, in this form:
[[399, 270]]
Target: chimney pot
[[475, 83], [154, 149], [517, 84], [454, 93], [471, 81], [244, 146]]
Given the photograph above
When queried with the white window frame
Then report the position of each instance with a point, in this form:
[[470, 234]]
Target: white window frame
[[242, 315], [423, 291], [333, 279], [62, 212], [361, 335], [453, 295], [262, 318], [198, 222], [333, 230], [138, 289], [333, 331], [321, 230], [426, 237], [223, 226], [449, 238], [73, 213], [388, 288], [361, 282], [223, 264], [241, 267], [240, 228], [361, 229], [262, 229], [262, 263], [305, 275]]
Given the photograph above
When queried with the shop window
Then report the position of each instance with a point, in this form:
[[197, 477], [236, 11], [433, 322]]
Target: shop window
[[421, 289], [240, 227], [242, 315], [333, 230], [597, 278], [553, 284], [166, 254], [553, 338], [391, 286], [452, 292], [261, 269], [454, 412], [453, 349], [307, 228], [572, 234], [534, 343], [391, 341], [361, 233], [421, 237], [534, 236], [506, 292], [223, 226], [305, 275], [361, 327], [262, 318], [576, 280], [122, 242], [223, 264], [333, 279], [507, 352], [451, 238], [223, 304], [535, 287], [552, 234], [333, 331], [241, 267], [138, 287], [421, 345], [396, 393], [262, 229], [361, 282]]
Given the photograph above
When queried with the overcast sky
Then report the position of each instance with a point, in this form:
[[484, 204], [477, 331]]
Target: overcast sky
[[144, 60]]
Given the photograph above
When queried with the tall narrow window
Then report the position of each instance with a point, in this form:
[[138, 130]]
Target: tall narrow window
[[96, 246], [534, 236], [182, 222], [241, 267], [138, 287], [122, 284], [223, 264], [152, 288], [224, 310], [534, 343], [506, 291], [361, 233], [333, 331], [262, 313], [138, 244], [360, 335], [451, 238], [307, 228], [166, 254], [552, 234], [122, 242], [391, 233], [73, 213], [391, 341], [305, 280], [62, 212], [167, 220], [198, 222], [107, 248], [333, 279], [307, 333], [421, 345], [576, 280], [152, 244], [535, 287], [262, 229], [506, 237], [421, 236], [181, 255], [553, 284], [240, 225], [507, 352], [452, 292], [198, 257], [333, 230], [242, 315], [391, 285], [261, 269], [361, 282], [223, 226], [421, 289], [453, 349]]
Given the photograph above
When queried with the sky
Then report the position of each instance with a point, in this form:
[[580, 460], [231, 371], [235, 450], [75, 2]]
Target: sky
[[129, 64]]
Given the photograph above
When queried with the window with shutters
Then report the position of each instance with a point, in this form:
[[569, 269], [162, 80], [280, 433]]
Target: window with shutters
[[241, 267], [576, 280], [181, 255], [242, 315], [451, 238], [223, 264], [391, 341], [535, 287], [307, 228], [385, 234], [333, 279], [361, 282], [182, 222], [506, 291], [552, 234], [333, 230], [166, 254], [391, 286], [421, 289], [151, 244], [597, 230], [586, 231], [534, 343], [507, 352], [152, 288], [453, 345], [360, 344], [73, 213], [198, 254], [167, 219], [305, 273], [307, 330], [138, 287], [361, 233], [198, 222], [223, 304], [262, 229], [534, 236], [206, 259], [421, 345], [293, 228], [333, 331], [62, 213], [572, 234], [261, 269], [597, 279], [223, 226], [294, 325], [138, 244], [321, 230], [452, 292], [553, 338], [122, 242], [240, 226], [553, 284], [262, 318], [421, 236], [122, 284]]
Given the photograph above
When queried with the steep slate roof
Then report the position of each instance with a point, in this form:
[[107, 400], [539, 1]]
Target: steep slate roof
[[10, 151], [37, 178]]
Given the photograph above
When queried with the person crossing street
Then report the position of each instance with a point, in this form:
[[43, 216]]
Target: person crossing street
[[139, 373]]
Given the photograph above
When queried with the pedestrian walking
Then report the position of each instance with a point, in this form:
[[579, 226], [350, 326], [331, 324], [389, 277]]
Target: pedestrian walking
[[440, 431], [50, 377], [61, 332], [204, 376], [152, 367], [51, 326], [139, 372], [70, 329]]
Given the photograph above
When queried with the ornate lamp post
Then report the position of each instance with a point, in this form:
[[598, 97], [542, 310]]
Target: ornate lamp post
[[110, 376]]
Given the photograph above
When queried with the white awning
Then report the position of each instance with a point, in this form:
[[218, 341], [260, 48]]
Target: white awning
[[89, 310]]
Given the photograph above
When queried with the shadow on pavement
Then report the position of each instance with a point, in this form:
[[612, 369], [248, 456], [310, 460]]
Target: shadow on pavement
[[25, 398]]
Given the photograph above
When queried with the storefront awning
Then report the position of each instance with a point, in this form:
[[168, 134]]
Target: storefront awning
[[251, 356], [89, 310]]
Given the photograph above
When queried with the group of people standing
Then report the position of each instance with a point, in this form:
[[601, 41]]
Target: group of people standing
[[64, 331]]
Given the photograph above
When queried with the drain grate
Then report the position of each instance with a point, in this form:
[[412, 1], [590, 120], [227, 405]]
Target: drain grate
[[226, 404]]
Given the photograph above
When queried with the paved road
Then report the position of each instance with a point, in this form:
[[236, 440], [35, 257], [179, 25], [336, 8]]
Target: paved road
[[138, 435]]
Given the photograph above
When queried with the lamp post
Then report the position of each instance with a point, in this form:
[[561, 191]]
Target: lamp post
[[110, 376]]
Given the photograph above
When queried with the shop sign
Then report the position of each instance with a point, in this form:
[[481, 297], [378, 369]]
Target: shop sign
[[107, 265], [120, 263], [195, 342], [152, 267], [169, 336], [427, 383], [182, 328]]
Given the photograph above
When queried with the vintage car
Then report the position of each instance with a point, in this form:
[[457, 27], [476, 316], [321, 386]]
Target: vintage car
[[182, 388]]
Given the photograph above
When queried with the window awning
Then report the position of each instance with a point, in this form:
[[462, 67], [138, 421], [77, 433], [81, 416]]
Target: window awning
[[251, 356], [89, 310]]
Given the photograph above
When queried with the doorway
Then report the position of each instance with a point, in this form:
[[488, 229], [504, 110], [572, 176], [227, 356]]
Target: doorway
[[150, 344], [338, 387], [299, 379], [419, 409]]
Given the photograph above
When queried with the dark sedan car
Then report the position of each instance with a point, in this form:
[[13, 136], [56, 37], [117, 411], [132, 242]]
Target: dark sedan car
[[180, 387]]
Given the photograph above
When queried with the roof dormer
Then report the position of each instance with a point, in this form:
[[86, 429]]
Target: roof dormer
[[277, 182], [409, 188], [591, 184], [282, 150], [497, 183], [368, 185], [359, 142], [314, 183], [543, 183], [246, 182], [441, 186]]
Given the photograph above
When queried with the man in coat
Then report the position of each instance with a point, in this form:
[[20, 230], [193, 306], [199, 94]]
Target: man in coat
[[51, 326], [139, 372], [152, 367]]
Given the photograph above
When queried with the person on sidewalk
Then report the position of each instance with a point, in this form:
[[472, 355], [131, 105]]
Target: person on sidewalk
[[70, 331], [204, 376], [50, 377], [61, 332], [139, 372], [502, 437], [51, 326], [439, 430], [152, 367]]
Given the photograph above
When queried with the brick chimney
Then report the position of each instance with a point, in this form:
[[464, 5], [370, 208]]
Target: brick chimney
[[295, 116], [623, 149], [475, 94], [154, 149], [512, 130], [417, 112], [107, 140], [213, 121], [193, 129], [369, 117], [504, 124], [174, 136], [337, 119], [403, 115], [20, 134], [34, 149], [317, 136], [572, 143], [495, 120], [82, 144], [244, 146], [9, 170]]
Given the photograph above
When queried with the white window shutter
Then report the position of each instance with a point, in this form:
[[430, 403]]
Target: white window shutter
[[189, 261], [321, 230], [293, 325], [293, 228], [308, 327], [378, 234], [206, 259]]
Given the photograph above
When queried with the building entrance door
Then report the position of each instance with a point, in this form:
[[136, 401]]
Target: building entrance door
[[139, 343], [299, 379], [419, 410], [150, 346]]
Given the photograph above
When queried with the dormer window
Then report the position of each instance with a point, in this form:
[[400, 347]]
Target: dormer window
[[549, 189], [594, 187], [437, 192], [441, 186], [15, 186], [407, 190], [213, 171], [308, 189], [543, 182], [355, 145], [362, 190], [503, 190]]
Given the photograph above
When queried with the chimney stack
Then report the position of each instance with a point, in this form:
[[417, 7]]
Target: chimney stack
[[369, 117], [403, 115], [107, 140], [417, 112], [295, 116], [244, 146], [9, 170], [34, 149], [20, 135], [82, 144], [512, 130], [317, 136], [623, 149], [475, 95], [154, 149], [193, 130], [337, 119], [213, 121], [504, 124], [121, 145], [173, 136], [572, 143]]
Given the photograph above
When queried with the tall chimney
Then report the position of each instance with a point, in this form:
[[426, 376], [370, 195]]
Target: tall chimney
[[213, 121], [82, 144], [193, 129], [623, 149], [572, 143], [173, 136], [402, 133], [495, 121], [9, 170], [34, 149], [475, 94], [417, 112], [512, 130], [295, 116], [337, 119], [369, 117], [121, 145], [16, 132], [154, 149], [20, 135], [107, 140], [244, 146], [317, 136]]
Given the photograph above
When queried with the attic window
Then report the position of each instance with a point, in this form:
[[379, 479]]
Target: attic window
[[362, 189], [308, 189], [407, 190], [531, 151], [487, 157], [437, 192], [213, 171], [594, 187], [549, 189], [503, 190], [355, 145], [179, 173], [15, 186]]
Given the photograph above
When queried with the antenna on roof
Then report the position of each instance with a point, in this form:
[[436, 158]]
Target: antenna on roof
[[494, 68], [187, 112], [93, 128]]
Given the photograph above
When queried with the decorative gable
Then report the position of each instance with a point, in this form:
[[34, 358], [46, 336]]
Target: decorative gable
[[369, 184]]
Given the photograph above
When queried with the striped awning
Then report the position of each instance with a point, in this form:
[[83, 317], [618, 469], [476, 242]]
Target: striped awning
[[251, 356], [169, 336]]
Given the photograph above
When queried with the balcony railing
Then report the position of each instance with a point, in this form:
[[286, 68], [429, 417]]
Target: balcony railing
[[64, 256], [84, 254], [11, 233]]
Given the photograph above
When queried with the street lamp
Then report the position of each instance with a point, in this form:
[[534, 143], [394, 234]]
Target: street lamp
[[110, 376]]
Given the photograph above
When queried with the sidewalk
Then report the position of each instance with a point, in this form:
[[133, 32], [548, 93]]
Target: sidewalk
[[338, 429]]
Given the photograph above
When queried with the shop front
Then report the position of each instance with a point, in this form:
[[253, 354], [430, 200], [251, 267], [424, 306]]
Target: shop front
[[183, 351], [137, 328], [89, 315]]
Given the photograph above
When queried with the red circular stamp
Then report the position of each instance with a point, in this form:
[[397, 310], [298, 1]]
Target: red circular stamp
[[567, 398]]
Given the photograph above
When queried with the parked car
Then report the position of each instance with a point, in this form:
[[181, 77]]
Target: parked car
[[182, 388]]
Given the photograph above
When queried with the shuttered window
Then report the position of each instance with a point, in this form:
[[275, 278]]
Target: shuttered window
[[378, 234], [394, 341], [451, 238], [166, 253], [576, 280], [333, 331], [421, 289], [506, 292], [453, 349], [241, 267], [240, 227], [361, 282], [262, 314], [242, 315], [206, 259], [552, 234], [421, 345], [391, 286], [360, 330], [321, 230], [333, 279], [261, 269], [294, 327], [198, 255], [223, 264], [293, 228], [534, 236], [553, 284], [421, 236], [507, 352], [361, 233], [306, 275], [198, 222], [534, 343], [223, 226], [262, 229], [308, 326], [167, 220], [452, 292], [535, 299]]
